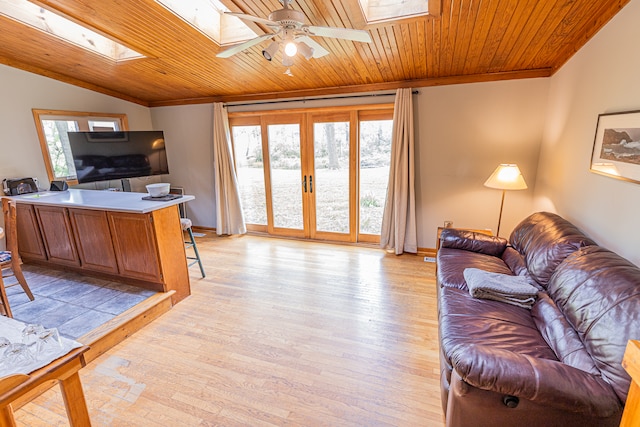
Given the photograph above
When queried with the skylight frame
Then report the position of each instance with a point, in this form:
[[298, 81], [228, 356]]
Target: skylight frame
[[208, 17], [57, 25], [376, 11]]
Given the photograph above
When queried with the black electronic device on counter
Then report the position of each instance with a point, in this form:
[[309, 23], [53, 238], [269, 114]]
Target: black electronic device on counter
[[17, 186], [58, 186]]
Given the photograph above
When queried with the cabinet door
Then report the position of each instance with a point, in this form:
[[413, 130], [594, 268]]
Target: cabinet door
[[57, 235], [93, 240], [135, 245], [30, 243]]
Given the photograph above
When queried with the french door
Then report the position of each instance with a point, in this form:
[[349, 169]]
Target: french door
[[300, 172]]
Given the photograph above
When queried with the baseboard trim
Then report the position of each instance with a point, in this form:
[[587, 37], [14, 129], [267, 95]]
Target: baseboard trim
[[431, 252]]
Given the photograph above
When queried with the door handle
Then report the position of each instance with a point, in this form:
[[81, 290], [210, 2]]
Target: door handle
[[304, 183], [310, 183]]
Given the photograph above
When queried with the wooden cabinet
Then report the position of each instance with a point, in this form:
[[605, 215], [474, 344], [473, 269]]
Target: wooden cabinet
[[135, 245], [93, 240], [30, 242], [141, 248], [57, 235]]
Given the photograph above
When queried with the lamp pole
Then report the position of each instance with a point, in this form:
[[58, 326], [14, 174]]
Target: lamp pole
[[500, 216]]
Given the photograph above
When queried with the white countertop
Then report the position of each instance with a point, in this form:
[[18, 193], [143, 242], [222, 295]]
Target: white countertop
[[118, 201]]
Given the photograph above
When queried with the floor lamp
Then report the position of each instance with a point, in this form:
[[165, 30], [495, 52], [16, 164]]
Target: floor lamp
[[505, 177]]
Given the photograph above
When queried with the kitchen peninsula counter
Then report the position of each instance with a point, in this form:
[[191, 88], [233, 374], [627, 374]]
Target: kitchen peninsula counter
[[116, 201], [116, 235]]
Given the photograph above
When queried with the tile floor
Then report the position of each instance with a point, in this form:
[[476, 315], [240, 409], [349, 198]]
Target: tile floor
[[70, 302]]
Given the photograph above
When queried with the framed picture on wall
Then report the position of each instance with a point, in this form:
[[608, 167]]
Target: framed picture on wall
[[616, 147]]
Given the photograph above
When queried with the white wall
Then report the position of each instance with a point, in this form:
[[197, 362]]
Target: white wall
[[463, 132], [188, 131], [21, 92], [602, 77]]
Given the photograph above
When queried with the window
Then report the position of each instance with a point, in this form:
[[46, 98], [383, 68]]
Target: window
[[383, 10], [318, 173], [209, 17], [52, 127], [44, 20], [375, 160]]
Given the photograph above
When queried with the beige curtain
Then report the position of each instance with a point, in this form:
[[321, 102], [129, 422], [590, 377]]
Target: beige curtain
[[399, 218], [229, 216]]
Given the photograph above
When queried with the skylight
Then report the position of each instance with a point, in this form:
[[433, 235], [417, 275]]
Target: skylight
[[42, 19], [208, 16], [382, 10]]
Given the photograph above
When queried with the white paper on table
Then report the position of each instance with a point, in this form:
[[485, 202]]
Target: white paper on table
[[11, 329]]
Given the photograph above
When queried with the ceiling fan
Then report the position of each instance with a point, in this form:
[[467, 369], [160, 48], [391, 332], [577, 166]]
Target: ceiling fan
[[288, 25]]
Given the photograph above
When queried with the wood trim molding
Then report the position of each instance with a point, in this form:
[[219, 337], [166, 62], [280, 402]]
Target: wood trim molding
[[374, 87]]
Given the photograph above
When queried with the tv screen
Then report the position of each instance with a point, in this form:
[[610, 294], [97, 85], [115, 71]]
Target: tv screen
[[103, 156]]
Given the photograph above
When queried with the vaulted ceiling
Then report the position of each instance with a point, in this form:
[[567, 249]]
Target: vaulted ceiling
[[466, 41]]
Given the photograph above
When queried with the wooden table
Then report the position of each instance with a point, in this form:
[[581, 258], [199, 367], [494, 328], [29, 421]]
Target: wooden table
[[631, 363], [63, 370]]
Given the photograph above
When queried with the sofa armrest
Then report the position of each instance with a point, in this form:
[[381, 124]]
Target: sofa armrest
[[549, 382], [472, 241]]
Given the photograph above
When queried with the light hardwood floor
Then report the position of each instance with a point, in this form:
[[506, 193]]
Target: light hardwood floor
[[280, 332]]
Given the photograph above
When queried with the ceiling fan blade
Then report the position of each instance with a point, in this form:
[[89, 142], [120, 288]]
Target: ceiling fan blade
[[253, 18], [318, 50], [242, 46], [340, 33]]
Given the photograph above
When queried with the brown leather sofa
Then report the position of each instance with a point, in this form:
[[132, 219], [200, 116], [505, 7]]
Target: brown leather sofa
[[556, 364]]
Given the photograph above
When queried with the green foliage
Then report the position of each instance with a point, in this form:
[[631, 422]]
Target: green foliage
[[369, 200]]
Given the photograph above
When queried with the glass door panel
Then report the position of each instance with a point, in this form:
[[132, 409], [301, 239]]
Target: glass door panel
[[331, 177], [286, 175], [375, 157], [247, 147]]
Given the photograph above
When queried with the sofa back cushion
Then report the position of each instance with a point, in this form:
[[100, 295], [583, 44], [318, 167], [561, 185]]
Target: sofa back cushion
[[560, 335], [598, 292], [473, 241], [545, 240]]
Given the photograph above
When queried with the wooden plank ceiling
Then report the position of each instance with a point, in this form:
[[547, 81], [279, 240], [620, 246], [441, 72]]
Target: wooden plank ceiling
[[471, 40]]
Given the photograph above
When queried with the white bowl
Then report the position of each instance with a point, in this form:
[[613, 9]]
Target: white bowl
[[158, 190]]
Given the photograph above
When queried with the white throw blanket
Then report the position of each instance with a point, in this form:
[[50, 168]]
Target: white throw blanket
[[515, 290]]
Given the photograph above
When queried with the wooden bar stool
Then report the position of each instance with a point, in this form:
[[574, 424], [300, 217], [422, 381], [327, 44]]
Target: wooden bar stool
[[10, 259]]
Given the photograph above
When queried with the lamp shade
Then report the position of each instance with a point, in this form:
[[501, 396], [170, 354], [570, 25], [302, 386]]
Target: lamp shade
[[506, 177]]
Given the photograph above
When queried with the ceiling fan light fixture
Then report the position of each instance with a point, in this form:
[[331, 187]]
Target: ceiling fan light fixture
[[290, 49], [271, 50], [287, 61], [305, 50]]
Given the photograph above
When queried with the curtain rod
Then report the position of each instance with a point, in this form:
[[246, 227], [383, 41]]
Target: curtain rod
[[414, 92]]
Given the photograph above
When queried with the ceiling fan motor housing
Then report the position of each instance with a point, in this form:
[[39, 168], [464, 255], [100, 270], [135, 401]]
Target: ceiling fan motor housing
[[288, 18]]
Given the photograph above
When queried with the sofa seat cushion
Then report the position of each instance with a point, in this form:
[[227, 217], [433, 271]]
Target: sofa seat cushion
[[598, 292], [466, 320], [452, 262], [545, 240]]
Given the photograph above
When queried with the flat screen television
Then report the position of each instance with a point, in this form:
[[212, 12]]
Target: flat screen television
[[103, 156]]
